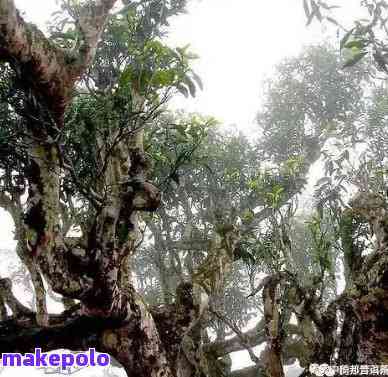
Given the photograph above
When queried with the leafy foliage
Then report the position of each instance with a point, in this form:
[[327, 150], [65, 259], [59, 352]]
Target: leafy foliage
[[366, 37]]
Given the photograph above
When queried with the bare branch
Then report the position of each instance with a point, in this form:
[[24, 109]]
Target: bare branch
[[242, 339]]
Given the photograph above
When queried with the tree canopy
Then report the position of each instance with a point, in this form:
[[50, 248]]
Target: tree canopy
[[167, 236]]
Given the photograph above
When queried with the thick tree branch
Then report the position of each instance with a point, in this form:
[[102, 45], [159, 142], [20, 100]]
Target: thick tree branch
[[66, 331], [91, 23], [34, 57], [212, 272], [251, 338], [254, 371], [49, 70]]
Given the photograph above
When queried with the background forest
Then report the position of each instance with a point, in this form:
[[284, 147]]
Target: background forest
[[130, 214]]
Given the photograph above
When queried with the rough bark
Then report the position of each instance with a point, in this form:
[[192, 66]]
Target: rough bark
[[369, 298], [273, 353], [352, 250], [49, 71], [15, 209], [149, 343]]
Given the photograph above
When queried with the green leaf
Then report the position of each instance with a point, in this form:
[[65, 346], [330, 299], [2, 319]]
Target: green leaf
[[181, 129], [360, 44], [126, 76], [163, 77], [248, 215], [346, 38], [354, 59], [253, 184]]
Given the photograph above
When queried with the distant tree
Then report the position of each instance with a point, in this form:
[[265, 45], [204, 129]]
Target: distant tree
[[310, 105], [368, 36]]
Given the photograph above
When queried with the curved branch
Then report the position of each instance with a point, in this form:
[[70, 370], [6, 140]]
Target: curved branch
[[46, 68], [252, 338]]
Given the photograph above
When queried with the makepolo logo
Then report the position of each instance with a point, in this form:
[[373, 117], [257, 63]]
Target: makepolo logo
[[63, 360], [321, 370]]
